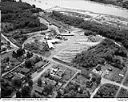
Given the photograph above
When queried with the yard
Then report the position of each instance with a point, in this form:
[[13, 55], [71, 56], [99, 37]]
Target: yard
[[37, 45], [74, 90], [123, 93], [107, 91], [126, 81], [5, 45], [8, 62], [114, 74], [80, 80]]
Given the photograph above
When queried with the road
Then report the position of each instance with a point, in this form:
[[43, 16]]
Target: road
[[40, 73], [103, 81], [70, 80], [13, 69], [121, 85], [95, 91], [106, 81], [9, 41]]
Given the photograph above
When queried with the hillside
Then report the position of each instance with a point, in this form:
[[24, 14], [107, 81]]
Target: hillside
[[117, 34], [106, 51], [19, 18]]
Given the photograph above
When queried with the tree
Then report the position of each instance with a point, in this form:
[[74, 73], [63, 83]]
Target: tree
[[6, 89], [7, 60], [33, 6], [20, 0], [125, 4], [71, 94], [14, 54], [30, 83], [39, 82], [26, 91], [18, 94], [98, 80], [20, 52], [89, 84], [93, 79], [28, 64], [17, 83], [48, 89], [98, 68], [8, 44], [29, 55], [107, 91]]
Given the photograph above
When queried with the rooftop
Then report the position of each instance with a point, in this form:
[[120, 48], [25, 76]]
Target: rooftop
[[38, 89], [39, 64], [25, 70]]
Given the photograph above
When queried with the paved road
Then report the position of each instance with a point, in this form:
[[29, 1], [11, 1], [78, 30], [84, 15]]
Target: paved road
[[12, 69], [9, 41], [106, 81], [103, 81], [121, 85], [95, 91], [70, 79], [40, 73]]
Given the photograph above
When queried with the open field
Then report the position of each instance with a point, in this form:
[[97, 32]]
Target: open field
[[76, 44]]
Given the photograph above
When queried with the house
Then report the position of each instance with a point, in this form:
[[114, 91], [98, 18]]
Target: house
[[19, 75], [59, 73], [54, 41], [25, 71], [9, 76], [50, 45], [97, 72], [67, 34], [39, 64], [51, 82], [55, 77], [38, 89]]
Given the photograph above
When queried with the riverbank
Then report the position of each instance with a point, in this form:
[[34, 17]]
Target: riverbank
[[121, 3], [81, 5]]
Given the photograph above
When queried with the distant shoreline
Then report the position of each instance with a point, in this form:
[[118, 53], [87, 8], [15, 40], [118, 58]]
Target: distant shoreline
[[122, 12]]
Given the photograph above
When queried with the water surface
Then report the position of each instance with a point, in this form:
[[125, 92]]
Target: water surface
[[82, 5]]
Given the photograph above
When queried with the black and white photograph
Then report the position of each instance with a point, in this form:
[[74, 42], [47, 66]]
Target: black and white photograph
[[64, 49]]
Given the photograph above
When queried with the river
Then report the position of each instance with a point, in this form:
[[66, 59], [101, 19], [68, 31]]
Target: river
[[82, 5]]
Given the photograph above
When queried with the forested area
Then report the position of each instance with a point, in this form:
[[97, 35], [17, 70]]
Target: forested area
[[19, 18], [119, 35], [19, 15], [106, 51]]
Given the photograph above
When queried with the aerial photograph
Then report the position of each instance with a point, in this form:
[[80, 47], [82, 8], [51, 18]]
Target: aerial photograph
[[64, 49]]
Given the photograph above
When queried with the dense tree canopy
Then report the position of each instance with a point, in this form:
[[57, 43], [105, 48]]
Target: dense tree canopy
[[105, 51], [20, 14]]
